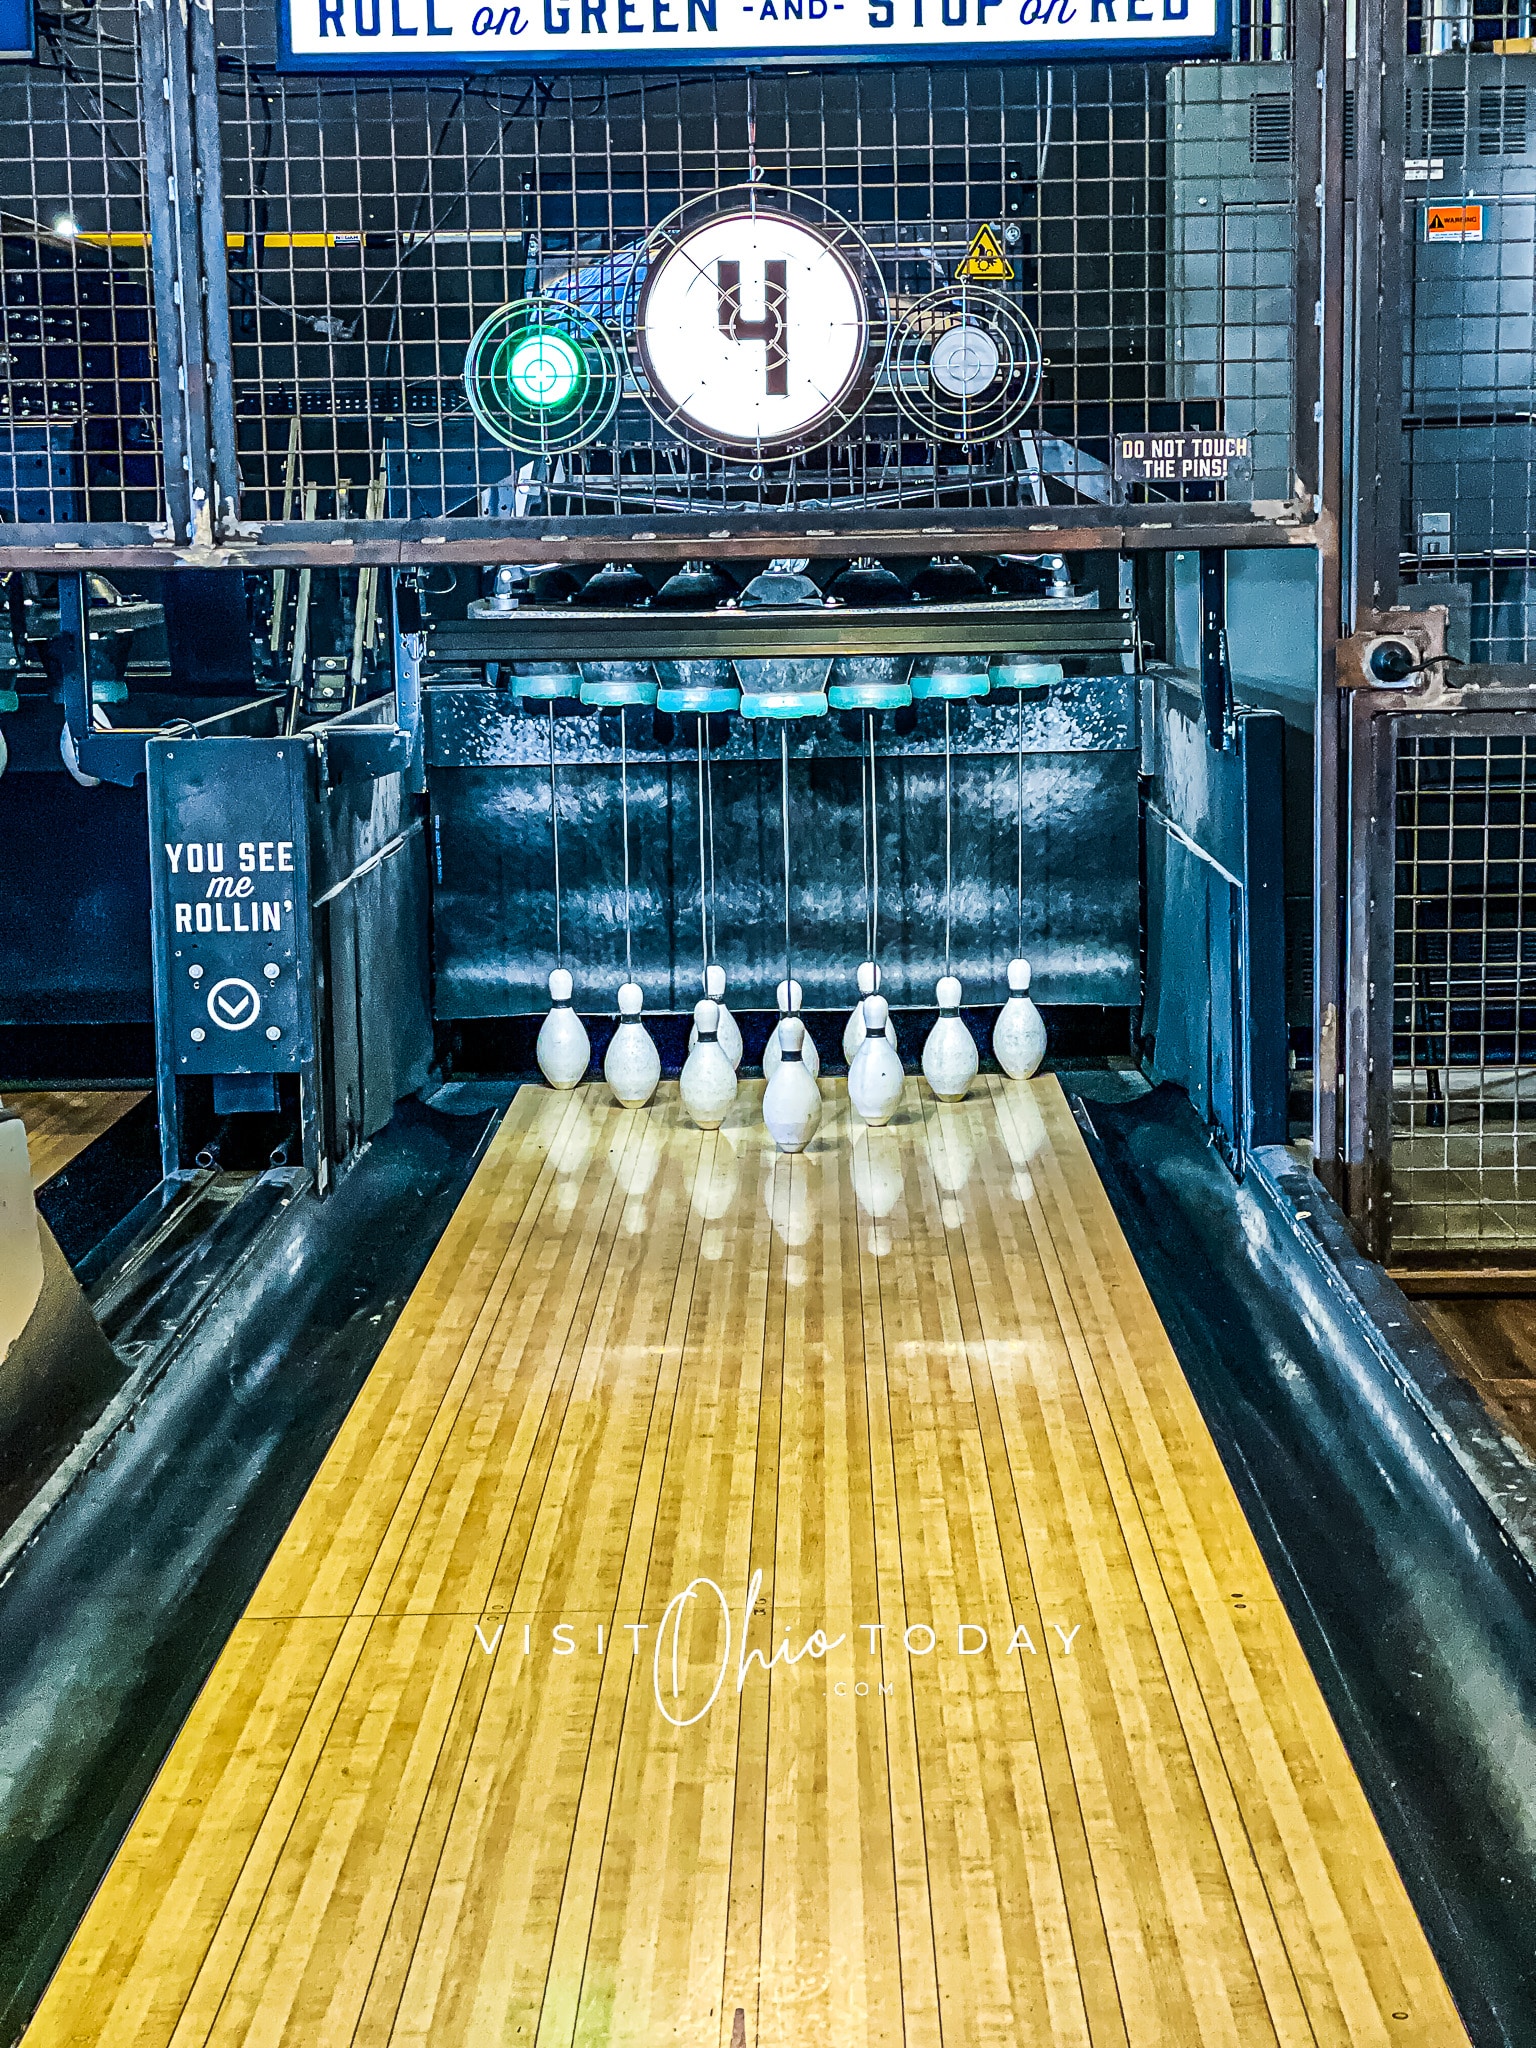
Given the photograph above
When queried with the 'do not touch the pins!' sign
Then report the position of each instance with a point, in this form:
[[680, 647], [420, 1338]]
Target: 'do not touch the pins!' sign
[[581, 35]]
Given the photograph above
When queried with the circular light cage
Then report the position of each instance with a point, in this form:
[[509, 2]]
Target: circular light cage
[[964, 364], [543, 376], [760, 327]]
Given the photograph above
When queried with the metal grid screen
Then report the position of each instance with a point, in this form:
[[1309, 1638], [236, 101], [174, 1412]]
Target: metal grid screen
[[374, 223], [78, 412], [1469, 425], [1464, 1052]]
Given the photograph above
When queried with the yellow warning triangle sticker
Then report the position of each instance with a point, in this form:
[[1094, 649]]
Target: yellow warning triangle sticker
[[984, 260]]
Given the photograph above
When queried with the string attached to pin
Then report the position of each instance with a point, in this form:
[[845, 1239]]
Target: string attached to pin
[[703, 868], [874, 848], [947, 816], [624, 789], [709, 812], [784, 827], [554, 833], [1020, 947], [869, 933]]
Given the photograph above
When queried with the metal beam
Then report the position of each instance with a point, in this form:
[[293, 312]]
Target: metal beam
[[999, 628], [1215, 682], [1309, 327], [350, 544], [1367, 1118], [185, 188], [1373, 530], [1321, 76]]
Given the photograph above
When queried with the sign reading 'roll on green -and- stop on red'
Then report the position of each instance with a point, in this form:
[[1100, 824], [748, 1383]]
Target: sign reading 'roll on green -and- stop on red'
[[447, 35]]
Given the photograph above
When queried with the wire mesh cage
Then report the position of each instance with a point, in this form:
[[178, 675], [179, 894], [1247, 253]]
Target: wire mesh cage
[[375, 223], [1469, 419], [1464, 1022], [78, 428]]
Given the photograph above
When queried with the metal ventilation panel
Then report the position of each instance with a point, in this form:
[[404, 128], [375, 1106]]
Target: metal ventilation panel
[[1231, 242]]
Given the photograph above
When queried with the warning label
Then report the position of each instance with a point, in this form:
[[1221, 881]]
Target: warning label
[[1184, 459], [984, 261], [1462, 222]]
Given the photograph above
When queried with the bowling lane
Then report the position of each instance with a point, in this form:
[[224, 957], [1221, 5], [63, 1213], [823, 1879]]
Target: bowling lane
[[61, 1122], [766, 1601]]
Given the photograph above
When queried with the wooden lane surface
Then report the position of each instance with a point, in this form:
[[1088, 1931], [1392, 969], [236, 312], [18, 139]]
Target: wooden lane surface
[[497, 1753], [61, 1122]]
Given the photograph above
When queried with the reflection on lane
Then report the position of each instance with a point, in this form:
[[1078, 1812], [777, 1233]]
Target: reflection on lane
[[1417, 1619]]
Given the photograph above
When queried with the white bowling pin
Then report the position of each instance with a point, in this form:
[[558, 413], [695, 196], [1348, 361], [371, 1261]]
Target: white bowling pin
[[1018, 1036], [632, 1065], [789, 995], [950, 1058], [708, 1083], [563, 1050], [729, 1031], [875, 1076], [853, 1030], [792, 1101]]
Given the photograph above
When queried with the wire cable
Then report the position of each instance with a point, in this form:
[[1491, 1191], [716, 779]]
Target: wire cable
[[947, 814], [554, 833], [1019, 953], [864, 847], [703, 868], [709, 806], [624, 790], [874, 851], [784, 827]]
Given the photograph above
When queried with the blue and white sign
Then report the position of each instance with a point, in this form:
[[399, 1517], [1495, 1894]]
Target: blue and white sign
[[18, 32], [600, 35]]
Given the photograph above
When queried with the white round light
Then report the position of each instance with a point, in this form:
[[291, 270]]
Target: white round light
[[965, 361], [752, 328]]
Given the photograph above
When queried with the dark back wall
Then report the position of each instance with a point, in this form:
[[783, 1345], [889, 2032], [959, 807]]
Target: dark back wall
[[74, 905]]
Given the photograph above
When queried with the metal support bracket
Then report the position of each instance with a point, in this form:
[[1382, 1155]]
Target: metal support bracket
[[109, 756], [1395, 649], [410, 646], [1215, 670]]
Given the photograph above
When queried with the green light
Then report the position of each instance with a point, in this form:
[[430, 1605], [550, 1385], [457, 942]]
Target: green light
[[542, 375], [544, 369]]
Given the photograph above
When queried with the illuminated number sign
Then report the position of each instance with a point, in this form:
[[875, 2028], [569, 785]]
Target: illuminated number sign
[[757, 332], [600, 35]]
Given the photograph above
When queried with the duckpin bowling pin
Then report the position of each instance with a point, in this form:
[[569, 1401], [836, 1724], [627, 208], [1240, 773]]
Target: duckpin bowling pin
[[792, 1100], [1018, 1036], [853, 1030], [708, 1082], [875, 1076], [728, 1030], [950, 1058], [789, 997], [563, 1049], [632, 1065]]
